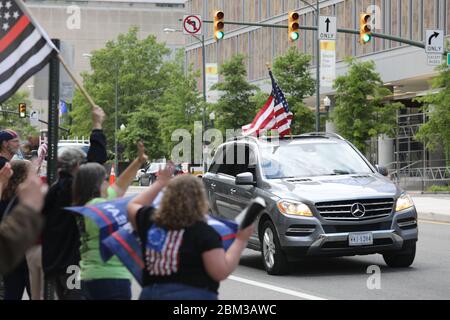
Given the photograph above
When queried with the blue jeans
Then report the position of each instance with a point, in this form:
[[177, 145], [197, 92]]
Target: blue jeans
[[106, 289], [175, 291]]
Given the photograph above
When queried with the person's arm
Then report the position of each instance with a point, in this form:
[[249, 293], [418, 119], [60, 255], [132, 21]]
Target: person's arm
[[97, 150], [21, 228], [127, 177], [147, 197], [5, 173], [220, 264]]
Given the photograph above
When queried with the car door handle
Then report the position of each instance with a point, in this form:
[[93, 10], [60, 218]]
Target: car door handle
[[233, 190], [213, 185]]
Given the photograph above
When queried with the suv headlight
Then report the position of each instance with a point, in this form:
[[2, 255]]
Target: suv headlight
[[403, 202], [295, 208]]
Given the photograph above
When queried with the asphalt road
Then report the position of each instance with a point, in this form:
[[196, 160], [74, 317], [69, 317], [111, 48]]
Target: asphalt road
[[346, 278]]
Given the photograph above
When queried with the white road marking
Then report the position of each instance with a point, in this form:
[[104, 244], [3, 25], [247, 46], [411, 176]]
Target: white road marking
[[434, 222], [275, 288]]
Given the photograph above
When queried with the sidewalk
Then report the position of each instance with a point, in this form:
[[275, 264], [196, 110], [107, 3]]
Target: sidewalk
[[435, 207]]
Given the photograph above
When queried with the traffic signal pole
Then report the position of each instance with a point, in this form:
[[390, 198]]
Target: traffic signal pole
[[316, 28]]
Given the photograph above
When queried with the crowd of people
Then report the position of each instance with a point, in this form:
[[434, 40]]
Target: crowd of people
[[40, 240]]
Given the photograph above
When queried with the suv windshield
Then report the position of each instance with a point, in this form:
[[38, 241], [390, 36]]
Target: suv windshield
[[300, 159]]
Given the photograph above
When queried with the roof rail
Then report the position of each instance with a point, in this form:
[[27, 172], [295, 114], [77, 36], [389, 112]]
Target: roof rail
[[322, 134], [304, 135]]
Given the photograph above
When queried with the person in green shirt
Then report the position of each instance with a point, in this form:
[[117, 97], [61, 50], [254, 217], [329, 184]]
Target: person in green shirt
[[102, 280]]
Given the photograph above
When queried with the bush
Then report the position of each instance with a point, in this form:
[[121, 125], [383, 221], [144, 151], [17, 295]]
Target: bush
[[439, 189]]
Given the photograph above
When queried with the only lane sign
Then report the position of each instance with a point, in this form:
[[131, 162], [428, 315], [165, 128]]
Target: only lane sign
[[434, 41]]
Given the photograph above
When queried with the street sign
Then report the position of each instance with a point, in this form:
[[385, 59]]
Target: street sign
[[34, 118], [212, 77], [192, 24], [327, 28], [434, 59], [327, 63], [448, 59], [434, 41]]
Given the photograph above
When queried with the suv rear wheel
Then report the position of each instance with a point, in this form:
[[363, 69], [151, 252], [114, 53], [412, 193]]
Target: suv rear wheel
[[401, 259], [273, 257]]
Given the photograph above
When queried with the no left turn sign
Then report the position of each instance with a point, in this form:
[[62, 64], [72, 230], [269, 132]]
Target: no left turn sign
[[192, 24]]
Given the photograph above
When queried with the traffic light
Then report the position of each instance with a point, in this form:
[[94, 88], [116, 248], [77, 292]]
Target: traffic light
[[219, 25], [22, 110], [365, 29], [293, 26]]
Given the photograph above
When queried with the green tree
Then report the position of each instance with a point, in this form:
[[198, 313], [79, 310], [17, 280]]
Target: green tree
[[181, 103], [137, 65], [235, 107], [436, 132], [361, 109], [12, 121], [291, 72]]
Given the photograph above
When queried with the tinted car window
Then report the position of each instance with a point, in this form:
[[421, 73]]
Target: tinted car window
[[307, 159]]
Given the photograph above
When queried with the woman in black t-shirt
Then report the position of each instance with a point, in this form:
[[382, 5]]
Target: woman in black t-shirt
[[184, 256]]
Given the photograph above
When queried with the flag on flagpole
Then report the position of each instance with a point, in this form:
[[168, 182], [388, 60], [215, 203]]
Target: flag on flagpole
[[62, 108], [275, 114], [25, 48]]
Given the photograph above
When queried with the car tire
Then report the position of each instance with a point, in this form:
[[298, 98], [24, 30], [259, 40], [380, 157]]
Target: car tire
[[401, 259], [273, 257]]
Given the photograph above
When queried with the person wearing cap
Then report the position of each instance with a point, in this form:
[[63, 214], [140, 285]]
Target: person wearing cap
[[9, 145], [61, 237]]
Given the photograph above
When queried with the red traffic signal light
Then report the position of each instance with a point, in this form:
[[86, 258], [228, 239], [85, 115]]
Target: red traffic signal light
[[22, 110]]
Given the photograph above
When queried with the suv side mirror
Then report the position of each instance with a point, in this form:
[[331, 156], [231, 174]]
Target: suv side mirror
[[382, 170], [244, 179]]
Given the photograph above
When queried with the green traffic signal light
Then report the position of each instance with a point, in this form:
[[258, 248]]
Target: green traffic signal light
[[219, 35], [366, 38], [294, 36]]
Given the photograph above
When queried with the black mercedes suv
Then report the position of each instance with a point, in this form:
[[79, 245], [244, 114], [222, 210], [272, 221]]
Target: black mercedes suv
[[323, 198]]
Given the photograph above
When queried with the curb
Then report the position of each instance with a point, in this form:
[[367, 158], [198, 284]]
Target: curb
[[435, 217]]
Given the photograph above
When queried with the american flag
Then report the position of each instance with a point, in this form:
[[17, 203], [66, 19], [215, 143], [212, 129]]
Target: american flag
[[24, 47], [162, 253], [274, 115]]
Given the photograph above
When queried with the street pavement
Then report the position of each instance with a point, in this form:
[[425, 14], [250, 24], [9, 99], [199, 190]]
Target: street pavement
[[347, 277]]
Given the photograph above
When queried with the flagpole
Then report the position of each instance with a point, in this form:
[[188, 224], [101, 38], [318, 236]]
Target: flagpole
[[79, 85]]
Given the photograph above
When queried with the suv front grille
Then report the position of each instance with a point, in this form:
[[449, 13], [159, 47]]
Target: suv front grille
[[342, 210]]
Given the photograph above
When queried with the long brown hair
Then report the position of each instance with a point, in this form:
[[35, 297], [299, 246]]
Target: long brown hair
[[183, 204], [20, 173]]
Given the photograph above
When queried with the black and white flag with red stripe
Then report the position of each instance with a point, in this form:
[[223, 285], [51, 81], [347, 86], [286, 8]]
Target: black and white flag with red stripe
[[24, 47]]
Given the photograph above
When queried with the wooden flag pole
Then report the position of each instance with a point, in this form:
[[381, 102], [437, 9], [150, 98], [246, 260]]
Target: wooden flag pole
[[79, 85]]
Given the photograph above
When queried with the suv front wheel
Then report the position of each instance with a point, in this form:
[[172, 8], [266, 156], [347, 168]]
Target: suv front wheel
[[273, 257], [401, 259]]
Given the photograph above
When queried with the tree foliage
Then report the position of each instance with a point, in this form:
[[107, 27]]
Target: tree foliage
[[436, 132], [235, 107], [138, 67], [291, 72], [12, 121], [361, 110]]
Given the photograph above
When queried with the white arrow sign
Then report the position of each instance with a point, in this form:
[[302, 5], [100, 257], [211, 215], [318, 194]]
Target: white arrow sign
[[434, 41], [327, 28], [34, 118]]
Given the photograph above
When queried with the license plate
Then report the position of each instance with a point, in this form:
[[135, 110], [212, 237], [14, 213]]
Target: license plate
[[360, 239]]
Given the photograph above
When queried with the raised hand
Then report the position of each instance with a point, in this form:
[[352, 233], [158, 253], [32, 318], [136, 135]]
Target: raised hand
[[142, 157]]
